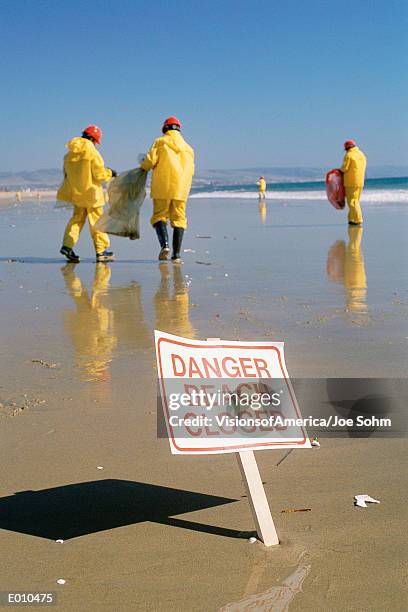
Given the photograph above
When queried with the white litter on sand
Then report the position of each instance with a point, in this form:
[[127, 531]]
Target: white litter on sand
[[362, 499]]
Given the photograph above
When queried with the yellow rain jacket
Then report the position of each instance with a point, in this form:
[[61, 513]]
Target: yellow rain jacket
[[172, 160], [353, 168], [84, 173], [262, 185]]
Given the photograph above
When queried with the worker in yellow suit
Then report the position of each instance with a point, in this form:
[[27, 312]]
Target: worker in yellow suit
[[84, 174], [261, 187], [353, 169], [172, 162]]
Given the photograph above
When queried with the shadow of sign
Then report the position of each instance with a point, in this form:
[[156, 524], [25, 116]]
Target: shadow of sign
[[80, 509]]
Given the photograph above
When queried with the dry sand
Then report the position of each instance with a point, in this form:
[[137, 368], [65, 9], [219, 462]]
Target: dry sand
[[151, 531]]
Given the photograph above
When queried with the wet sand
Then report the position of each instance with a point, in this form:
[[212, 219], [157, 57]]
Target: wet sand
[[154, 531]]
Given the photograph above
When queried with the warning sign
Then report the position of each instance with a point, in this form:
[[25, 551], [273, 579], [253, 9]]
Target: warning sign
[[221, 396]]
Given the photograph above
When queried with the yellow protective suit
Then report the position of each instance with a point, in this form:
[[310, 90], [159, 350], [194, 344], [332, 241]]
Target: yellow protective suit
[[262, 185], [353, 168], [172, 162], [84, 174]]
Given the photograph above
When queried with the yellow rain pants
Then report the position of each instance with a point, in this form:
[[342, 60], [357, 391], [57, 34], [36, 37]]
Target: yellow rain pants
[[353, 195], [175, 210], [77, 222]]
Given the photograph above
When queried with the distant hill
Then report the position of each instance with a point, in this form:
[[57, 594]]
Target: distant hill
[[36, 179], [50, 178]]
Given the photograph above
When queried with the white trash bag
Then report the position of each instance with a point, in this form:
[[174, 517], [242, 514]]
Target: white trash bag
[[126, 195]]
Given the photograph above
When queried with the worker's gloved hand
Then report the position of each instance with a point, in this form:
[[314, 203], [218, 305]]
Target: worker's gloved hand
[[114, 173]]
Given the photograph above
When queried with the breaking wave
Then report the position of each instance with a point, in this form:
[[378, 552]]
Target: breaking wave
[[369, 195]]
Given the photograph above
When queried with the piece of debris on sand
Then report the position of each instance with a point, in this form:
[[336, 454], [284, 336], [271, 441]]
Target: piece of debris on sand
[[46, 364], [11, 408]]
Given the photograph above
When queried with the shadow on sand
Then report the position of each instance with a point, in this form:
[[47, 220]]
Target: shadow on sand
[[80, 509]]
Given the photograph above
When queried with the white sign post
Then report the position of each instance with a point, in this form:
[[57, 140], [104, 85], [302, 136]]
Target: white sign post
[[261, 513], [212, 370]]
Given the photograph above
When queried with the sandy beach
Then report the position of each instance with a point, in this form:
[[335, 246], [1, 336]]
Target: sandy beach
[[151, 531]]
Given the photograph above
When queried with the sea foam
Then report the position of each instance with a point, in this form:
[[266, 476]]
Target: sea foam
[[370, 195]]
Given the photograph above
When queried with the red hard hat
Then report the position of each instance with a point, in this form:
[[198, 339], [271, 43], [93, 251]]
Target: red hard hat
[[95, 132], [172, 121], [349, 143]]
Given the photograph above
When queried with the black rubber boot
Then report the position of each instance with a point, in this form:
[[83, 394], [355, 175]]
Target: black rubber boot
[[177, 240], [69, 254], [105, 256], [161, 231]]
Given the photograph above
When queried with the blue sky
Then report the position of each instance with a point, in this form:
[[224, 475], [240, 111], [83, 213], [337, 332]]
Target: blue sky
[[255, 83]]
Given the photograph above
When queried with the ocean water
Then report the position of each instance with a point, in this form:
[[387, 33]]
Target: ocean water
[[378, 190]]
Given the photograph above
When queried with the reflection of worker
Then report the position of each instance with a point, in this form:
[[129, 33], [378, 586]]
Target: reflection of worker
[[346, 265], [84, 173], [353, 169], [262, 210], [172, 161], [110, 319], [261, 187], [91, 325], [172, 310]]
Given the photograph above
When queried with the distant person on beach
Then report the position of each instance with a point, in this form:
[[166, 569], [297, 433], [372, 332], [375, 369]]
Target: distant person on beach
[[84, 173], [172, 162], [261, 187], [353, 169]]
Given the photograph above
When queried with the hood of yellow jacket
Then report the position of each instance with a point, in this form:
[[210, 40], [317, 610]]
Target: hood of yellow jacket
[[175, 141], [80, 148]]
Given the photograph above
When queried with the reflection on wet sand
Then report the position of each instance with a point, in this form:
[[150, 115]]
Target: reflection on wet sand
[[172, 308], [90, 326], [345, 264], [110, 319], [107, 319], [262, 210]]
